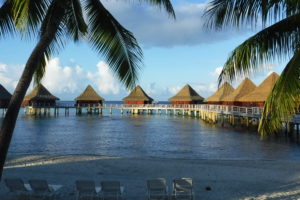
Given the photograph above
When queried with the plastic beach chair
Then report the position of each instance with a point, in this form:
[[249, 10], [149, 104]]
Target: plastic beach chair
[[41, 189], [111, 190], [157, 189], [17, 188], [183, 189], [86, 190]]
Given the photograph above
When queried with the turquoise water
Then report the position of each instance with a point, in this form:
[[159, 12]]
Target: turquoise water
[[143, 136]]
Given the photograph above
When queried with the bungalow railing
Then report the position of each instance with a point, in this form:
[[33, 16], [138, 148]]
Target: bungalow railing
[[225, 109]]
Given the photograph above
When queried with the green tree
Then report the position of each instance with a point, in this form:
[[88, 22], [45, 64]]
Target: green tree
[[57, 20], [279, 39]]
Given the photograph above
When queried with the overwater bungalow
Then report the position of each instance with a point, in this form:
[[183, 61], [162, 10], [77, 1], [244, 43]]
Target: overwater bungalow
[[187, 95], [4, 97], [89, 98], [137, 96], [245, 87], [257, 97], [220, 94], [40, 97]]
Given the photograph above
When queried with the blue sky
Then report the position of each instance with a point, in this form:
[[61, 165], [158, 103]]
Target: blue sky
[[176, 52]]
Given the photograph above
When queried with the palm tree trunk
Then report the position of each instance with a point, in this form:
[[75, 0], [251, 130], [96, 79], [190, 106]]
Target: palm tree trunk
[[10, 118]]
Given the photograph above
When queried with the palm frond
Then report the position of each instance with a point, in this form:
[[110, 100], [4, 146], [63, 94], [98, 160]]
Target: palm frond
[[28, 14], [166, 4], [74, 21], [278, 41], [284, 99], [221, 13], [116, 43], [57, 42], [7, 25]]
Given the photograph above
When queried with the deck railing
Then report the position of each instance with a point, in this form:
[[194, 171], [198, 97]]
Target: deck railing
[[225, 109]]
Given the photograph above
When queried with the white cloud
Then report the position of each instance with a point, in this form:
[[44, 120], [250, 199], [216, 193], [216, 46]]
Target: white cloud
[[173, 90], [153, 27], [216, 72], [205, 88], [62, 79], [9, 75], [65, 81], [103, 78]]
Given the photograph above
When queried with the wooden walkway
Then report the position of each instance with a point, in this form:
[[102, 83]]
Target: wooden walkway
[[192, 110], [207, 112]]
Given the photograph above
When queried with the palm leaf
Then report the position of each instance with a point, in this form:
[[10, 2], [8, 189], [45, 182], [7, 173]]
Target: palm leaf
[[58, 40], [74, 21], [28, 14], [7, 25], [284, 99], [116, 43], [163, 3], [221, 13], [278, 41]]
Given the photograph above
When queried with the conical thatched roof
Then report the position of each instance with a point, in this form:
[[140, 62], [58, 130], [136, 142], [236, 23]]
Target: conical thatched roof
[[187, 93], [4, 94], [89, 94], [40, 93], [138, 94], [261, 93], [243, 89], [221, 93]]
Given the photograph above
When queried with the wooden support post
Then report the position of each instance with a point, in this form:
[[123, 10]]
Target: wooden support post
[[247, 122], [222, 120], [290, 128]]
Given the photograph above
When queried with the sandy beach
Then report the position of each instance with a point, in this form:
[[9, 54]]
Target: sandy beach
[[228, 179]]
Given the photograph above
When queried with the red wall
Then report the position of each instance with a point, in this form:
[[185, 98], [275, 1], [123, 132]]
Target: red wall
[[40, 103], [236, 103], [86, 103], [181, 102], [215, 102], [137, 102]]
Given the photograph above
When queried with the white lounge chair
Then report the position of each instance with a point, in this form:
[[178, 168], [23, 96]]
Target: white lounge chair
[[111, 190], [157, 189], [86, 190], [41, 189], [183, 189], [17, 188]]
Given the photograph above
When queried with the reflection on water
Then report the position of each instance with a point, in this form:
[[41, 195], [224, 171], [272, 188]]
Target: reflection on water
[[143, 135]]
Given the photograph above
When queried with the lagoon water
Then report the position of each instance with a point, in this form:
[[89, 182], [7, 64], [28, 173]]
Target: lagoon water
[[143, 136]]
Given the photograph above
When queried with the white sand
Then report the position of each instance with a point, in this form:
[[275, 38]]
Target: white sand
[[229, 179]]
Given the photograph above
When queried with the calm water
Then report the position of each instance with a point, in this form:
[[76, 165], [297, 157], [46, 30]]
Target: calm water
[[143, 135]]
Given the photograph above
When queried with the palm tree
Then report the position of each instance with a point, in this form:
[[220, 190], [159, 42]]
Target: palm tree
[[278, 40], [56, 20]]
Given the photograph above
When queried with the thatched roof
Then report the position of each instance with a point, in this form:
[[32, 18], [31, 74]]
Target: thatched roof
[[4, 94], [187, 93], [89, 94], [138, 94], [40, 93], [221, 93], [243, 89], [261, 93]]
